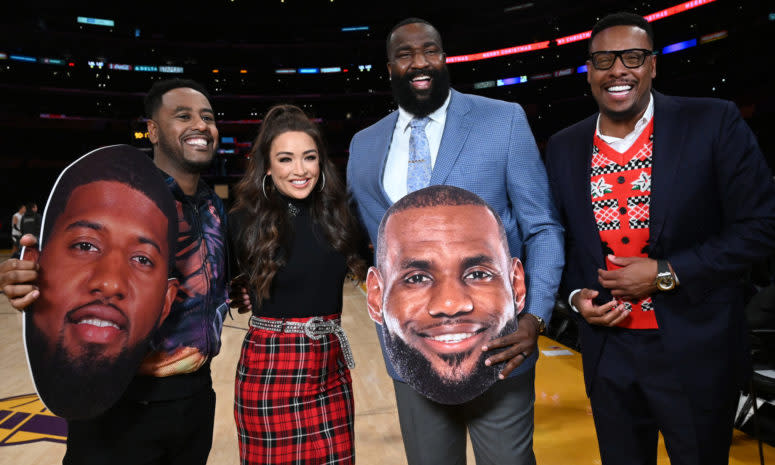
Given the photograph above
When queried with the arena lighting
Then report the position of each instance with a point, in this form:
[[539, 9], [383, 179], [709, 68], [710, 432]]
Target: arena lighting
[[712, 37], [521, 6], [95, 64], [355, 28], [583, 68], [511, 80], [498, 53], [484, 84], [23, 58], [680, 8], [676, 9], [573, 38], [96, 21], [332, 69], [679, 46], [536, 77], [216, 71], [52, 61], [309, 71], [243, 71], [285, 71]]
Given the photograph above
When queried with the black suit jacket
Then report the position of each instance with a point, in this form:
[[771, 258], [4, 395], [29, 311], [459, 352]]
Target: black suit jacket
[[712, 213]]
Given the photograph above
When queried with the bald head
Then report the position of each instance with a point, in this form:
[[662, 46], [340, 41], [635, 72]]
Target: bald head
[[434, 32]]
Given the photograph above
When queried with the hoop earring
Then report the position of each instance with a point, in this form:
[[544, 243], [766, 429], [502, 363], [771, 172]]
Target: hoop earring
[[263, 186], [324, 181]]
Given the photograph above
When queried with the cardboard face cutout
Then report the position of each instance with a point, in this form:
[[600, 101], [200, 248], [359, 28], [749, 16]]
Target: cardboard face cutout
[[108, 230], [444, 285]]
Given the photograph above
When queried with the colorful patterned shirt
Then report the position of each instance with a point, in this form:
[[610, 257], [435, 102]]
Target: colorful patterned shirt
[[191, 334]]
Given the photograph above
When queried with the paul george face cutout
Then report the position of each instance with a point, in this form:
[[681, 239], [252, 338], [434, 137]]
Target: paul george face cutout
[[445, 284], [109, 229]]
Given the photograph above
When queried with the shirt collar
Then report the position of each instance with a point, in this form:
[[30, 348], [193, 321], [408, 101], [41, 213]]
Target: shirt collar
[[439, 115], [639, 126]]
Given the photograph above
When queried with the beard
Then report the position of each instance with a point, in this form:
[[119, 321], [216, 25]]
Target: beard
[[418, 372], [83, 387], [408, 99], [175, 152]]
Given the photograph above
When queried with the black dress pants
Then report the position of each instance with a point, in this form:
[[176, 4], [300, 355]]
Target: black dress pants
[[638, 392], [178, 431]]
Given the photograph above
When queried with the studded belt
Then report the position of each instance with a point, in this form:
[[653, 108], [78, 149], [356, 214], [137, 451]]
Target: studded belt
[[314, 328]]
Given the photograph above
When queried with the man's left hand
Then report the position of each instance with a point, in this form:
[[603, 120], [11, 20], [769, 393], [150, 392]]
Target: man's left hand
[[522, 342], [634, 280]]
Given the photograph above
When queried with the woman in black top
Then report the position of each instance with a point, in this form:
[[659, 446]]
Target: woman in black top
[[295, 240]]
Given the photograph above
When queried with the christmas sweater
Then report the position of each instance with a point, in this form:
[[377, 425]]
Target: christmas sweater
[[620, 186]]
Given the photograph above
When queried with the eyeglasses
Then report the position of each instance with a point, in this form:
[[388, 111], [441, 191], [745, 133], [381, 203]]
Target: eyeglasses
[[631, 58]]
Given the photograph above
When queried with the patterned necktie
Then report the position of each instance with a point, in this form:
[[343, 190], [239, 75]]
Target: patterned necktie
[[418, 174]]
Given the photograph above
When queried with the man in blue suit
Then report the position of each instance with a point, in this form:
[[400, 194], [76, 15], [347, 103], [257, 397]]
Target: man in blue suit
[[440, 136], [666, 201]]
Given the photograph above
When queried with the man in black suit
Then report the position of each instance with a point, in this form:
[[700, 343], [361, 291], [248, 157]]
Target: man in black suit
[[665, 201]]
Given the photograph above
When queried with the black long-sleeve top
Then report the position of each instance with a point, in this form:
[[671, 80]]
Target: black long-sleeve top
[[310, 283]]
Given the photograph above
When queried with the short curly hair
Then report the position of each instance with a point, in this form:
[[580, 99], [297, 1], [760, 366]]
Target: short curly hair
[[435, 196], [153, 97], [623, 18], [120, 163]]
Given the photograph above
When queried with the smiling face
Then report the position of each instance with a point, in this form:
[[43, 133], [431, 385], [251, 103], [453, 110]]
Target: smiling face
[[104, 270], [294, 164], [183, 130], [418, 69], [445, 287], [622, 93]]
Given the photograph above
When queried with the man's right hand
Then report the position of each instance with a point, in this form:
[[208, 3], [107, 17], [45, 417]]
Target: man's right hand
[[17, 278], [608, 314]]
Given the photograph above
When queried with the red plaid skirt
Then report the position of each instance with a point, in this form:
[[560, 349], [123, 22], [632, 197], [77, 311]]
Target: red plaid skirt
[[293, 400]]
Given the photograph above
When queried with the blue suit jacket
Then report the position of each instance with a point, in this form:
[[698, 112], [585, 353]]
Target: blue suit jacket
[[487, 148], [712, 213]]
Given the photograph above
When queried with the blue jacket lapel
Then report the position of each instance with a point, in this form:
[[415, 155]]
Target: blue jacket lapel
[[456, 129], [381, 148]]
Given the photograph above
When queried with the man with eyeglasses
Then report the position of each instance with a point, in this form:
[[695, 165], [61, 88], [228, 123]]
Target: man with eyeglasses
[[665, 201]]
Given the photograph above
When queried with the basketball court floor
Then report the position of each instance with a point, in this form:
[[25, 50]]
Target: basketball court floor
[[564, 431]]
